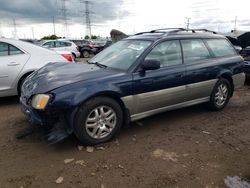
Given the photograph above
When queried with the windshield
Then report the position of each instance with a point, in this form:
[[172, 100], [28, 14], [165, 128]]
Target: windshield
[[122, 54]]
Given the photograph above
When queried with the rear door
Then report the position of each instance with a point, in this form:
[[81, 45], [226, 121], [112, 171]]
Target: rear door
[[156, 89], [202, 69], [12, 60]]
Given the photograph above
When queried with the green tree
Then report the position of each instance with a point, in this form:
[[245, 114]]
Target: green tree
[[86, 37], [50, 37], [93, 37]]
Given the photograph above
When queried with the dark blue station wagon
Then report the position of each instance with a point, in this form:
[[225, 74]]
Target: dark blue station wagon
[[145, 74]]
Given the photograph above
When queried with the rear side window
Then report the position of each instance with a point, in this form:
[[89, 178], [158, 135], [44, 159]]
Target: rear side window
[[68, 44], [221, 47], [194, 50], [3, 49], [7, 49], [14, 51], [60, 44]]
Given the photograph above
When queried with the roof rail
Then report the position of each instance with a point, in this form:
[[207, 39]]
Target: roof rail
[[163, 30], [205, 30], [174, 30]]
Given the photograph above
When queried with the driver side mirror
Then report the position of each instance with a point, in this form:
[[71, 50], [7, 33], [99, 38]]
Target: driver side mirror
[[150, 64]]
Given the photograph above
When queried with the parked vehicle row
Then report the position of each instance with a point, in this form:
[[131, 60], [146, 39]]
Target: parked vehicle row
[[19, 59], [142, 75]]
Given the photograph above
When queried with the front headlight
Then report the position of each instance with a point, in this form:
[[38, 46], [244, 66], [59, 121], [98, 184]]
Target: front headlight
[[40, 101]]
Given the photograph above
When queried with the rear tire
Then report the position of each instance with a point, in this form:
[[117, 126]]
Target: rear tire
[[98, 120], [220, 95], [85, 54]]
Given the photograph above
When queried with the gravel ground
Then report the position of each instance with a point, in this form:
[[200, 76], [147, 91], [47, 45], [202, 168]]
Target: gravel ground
[[190, 147]]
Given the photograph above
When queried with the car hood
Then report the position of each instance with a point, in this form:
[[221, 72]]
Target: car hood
[[55, 75]]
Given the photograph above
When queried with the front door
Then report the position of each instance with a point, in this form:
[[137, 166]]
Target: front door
[[157, 89], [12, 60]]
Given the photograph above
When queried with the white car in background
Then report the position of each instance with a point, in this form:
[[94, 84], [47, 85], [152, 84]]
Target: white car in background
[[19, 59], [62, 45]]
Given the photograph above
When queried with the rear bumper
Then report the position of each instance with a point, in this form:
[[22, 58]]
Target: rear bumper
[[239, 80]]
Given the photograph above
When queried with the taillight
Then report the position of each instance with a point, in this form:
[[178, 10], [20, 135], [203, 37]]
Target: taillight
[[68, 57]]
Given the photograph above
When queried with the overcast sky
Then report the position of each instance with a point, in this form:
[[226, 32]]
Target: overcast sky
[[130, 16]]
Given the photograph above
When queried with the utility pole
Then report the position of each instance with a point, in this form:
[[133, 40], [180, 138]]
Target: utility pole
[[15, 29], [1, 32], [87, 17], [64, 11], [235, 25], [54, 25], [32, 30], [188, 22]]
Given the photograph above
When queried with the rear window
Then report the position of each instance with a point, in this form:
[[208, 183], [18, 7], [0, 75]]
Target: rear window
[[221, 47]]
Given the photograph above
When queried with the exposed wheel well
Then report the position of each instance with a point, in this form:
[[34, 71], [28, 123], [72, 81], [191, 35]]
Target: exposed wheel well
[[20, 82], [229, 78]]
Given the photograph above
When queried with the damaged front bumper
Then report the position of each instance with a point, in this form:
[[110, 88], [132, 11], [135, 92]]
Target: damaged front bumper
[[58, 122]]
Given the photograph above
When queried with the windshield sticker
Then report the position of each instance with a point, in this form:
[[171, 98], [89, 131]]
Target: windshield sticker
[[135, 47]]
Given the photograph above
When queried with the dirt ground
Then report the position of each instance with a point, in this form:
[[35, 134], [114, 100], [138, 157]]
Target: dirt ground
[[190, 147]]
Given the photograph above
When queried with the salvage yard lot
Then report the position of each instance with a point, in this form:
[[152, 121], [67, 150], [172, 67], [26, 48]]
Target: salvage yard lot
[[191, 147]]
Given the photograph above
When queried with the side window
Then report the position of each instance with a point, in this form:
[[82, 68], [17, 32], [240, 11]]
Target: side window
[[168, 53], [220, 47], [68, 44], [48, 45], [3, 49], [60, 44], [194, 50], [14, 51]]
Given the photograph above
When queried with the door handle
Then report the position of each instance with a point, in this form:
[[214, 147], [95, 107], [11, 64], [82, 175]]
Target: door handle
[[179, 75], [13, 64]]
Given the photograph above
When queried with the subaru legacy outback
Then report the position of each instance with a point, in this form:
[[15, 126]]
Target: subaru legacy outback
[[142, 75]]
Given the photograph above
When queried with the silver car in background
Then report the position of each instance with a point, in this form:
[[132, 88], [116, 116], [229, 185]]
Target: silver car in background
[[18, 60]]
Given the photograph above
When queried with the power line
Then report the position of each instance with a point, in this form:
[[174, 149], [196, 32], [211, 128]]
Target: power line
[[188, 22], [64, 11], [15, 29], [54, 25], [87, 13]]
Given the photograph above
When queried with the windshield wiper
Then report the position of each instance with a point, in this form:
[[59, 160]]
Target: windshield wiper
[[98, 64]]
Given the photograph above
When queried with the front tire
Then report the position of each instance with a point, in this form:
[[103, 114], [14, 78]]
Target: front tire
[[98, 120], [220, 95]]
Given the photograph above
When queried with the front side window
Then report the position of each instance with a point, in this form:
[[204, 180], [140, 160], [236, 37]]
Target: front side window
[[168, 53], [122, 54], [3, 49], [194, 50], [221, 47]]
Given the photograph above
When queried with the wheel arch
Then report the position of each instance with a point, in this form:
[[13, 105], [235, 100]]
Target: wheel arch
[[228, 76], [115, 96], [20, 81]]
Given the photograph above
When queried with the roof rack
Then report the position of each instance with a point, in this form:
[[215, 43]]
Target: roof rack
[[173, 30], [163, 30], [205, 30]]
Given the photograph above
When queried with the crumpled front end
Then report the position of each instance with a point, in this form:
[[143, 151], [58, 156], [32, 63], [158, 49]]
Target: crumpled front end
[[57, 121]]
